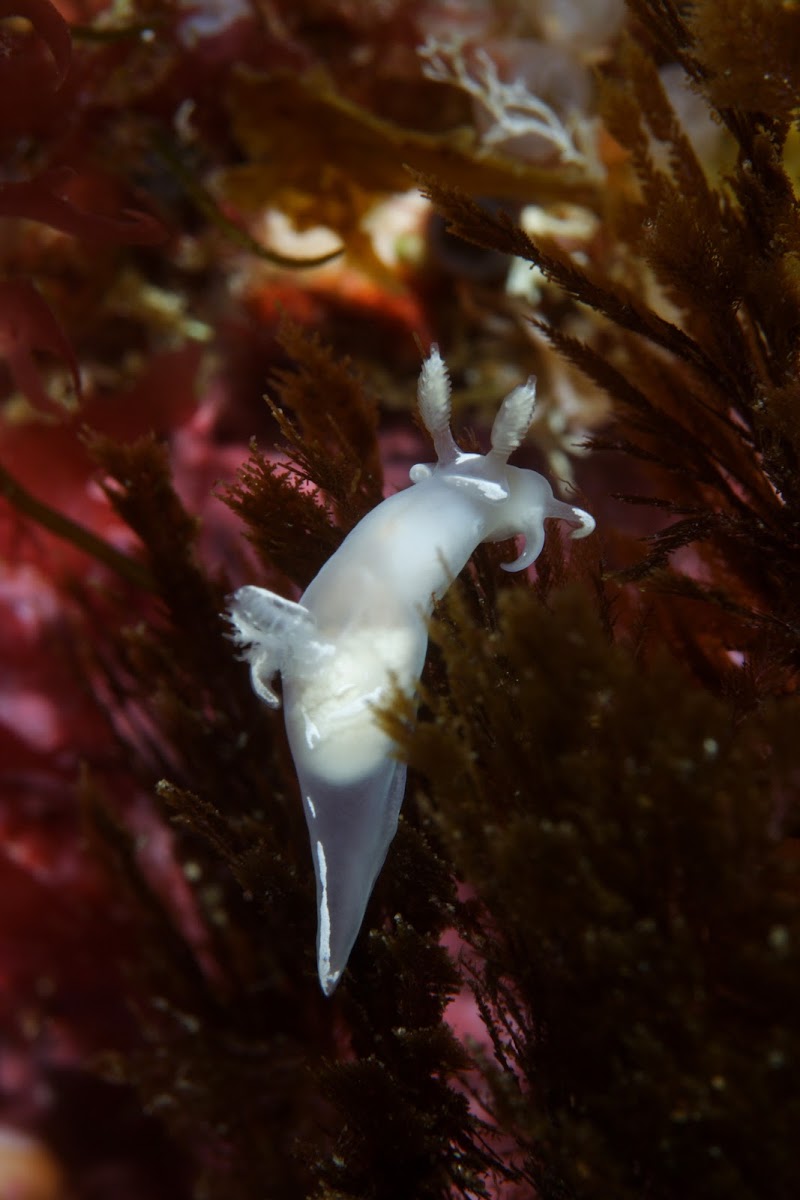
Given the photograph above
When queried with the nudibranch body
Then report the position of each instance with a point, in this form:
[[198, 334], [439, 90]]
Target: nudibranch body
[[360, 630]]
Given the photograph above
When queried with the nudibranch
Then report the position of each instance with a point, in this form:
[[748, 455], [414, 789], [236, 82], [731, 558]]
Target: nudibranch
[[360, 630]]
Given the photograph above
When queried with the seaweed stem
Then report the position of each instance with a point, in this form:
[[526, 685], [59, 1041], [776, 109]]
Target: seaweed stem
[[71, 531]]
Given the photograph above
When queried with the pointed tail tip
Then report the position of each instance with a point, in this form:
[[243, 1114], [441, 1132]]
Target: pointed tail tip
[[328, 979]]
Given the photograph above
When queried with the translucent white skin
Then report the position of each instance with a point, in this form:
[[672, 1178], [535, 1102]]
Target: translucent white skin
[[360, 630]]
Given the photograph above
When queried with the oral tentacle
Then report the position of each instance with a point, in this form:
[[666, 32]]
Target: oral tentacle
[[534, 541]]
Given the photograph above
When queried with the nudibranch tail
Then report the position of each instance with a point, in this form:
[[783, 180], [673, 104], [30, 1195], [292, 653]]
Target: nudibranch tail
[[350, 828]]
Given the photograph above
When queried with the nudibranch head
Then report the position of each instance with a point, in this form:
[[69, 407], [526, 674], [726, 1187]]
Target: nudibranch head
[[524, 498]]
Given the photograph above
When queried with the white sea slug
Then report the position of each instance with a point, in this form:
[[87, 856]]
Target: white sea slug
[[360, 630]]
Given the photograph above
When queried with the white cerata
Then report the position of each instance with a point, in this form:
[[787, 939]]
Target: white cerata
[[360, 630]]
